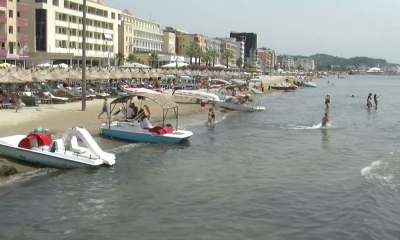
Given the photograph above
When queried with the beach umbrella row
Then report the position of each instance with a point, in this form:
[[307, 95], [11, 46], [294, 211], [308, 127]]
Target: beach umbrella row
[[19, 75]]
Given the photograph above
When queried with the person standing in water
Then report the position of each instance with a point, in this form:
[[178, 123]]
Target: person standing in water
[[376, 100], [369, 101], [325, 120], [211, 117], [327, 100]]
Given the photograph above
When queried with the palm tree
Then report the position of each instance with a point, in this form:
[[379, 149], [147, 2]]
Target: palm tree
[[131, 58], [214, 55], [207, 58], [239, 62], [120, 58], [198, 54], [153, 58], [227, 55], [191, 51]]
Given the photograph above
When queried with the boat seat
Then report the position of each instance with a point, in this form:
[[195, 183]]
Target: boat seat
[[57, 145], [74, 147]]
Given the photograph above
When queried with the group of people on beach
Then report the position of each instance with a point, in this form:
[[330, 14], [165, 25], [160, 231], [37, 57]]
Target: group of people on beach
[[131, 113]]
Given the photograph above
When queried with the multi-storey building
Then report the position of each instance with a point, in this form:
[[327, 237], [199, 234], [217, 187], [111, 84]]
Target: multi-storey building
[[250, 46], [12, 40], [306, 64], [229, 44], [169, 42], [240, 48], [176, 32], [267, 58], [286, 62], [185, 40], [56, 31], [138, 35]]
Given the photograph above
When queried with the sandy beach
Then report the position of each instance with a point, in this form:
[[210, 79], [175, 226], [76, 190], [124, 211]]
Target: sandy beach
[[58, 117]]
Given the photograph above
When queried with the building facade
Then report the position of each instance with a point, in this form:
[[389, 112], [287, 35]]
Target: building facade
[[250, 46], [56, 31], [267, 58], [185, 40], [169, 42], [229, 44], [138, 35], [286, 62], [13, 41], [306, 64], [240, 49]]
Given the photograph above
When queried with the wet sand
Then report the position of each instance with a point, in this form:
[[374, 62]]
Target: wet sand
[[58, 117]]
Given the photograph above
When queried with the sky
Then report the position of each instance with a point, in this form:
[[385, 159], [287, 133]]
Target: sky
[[345, 28]]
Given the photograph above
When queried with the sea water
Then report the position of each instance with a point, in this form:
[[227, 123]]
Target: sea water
[[275, 174]]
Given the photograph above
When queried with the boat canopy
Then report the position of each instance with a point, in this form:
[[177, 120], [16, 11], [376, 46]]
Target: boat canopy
[[163, 101]]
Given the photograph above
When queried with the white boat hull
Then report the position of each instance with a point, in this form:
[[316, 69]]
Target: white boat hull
[[133, 132], [237, 107], [193, 96], [61, 153]]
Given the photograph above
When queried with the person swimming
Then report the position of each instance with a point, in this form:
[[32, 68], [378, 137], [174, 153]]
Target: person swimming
[[325, 120], [376, 99]]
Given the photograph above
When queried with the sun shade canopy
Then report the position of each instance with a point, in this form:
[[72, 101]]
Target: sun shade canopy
[[163, 101]]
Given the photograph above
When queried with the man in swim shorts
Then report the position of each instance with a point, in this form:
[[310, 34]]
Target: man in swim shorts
[[325, 120]]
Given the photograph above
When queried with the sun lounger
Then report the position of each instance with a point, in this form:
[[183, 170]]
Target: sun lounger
[[98, 95], [71, 94], [58, 99], [79, 92]]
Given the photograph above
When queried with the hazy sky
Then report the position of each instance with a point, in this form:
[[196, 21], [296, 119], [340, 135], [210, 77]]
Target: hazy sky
[[297, 27]]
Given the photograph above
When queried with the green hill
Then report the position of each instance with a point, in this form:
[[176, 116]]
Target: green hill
[[325, 60]]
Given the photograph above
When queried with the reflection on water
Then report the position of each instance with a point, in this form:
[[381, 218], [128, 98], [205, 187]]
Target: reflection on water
[[325, 138]]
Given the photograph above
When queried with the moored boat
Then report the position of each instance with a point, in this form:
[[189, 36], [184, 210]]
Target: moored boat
[[233, 98], [193, 96], [65, 153], [140, 128], [308, 84]]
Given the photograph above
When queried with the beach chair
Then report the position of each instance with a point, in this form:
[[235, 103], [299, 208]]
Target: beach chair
[[98, 94], [115, 93]]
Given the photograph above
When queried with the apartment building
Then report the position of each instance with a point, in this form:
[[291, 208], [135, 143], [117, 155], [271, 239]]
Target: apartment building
[[169, 42], [14, 44], [57, 26], [286, 62], [229, 44], [250, 46], [306, 64], [139, 35], [267, 58], [185, 40], [239, 48]]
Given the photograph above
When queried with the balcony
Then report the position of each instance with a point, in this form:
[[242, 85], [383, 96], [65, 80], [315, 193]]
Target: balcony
[[22, 22], [3, 53], [3, 36], [3, 4], [3, 19], [21, 7], [20, 37]]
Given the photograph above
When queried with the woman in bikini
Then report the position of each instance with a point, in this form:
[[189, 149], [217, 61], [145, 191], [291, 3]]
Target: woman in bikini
[[211, 117]]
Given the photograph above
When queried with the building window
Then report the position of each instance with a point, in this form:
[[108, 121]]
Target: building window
[[41, 29], [10, 13], [41, 1], [10, 30]]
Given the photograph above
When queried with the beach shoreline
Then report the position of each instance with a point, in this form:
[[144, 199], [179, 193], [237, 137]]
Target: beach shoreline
[[58, 117]]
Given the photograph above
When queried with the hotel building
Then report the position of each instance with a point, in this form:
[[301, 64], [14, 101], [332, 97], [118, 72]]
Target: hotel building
[[267, 58], [250, 46], [306, 64], [12, 40], [139, 35], [169, 42], [56, 30], [229, 44]]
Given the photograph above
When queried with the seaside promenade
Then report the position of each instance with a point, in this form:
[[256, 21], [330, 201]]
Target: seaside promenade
[[58, 117]]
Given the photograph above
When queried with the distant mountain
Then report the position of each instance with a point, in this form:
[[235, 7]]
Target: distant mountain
[[324, 60]]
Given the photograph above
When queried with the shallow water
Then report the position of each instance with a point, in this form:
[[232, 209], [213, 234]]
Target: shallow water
[[269, 175]]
